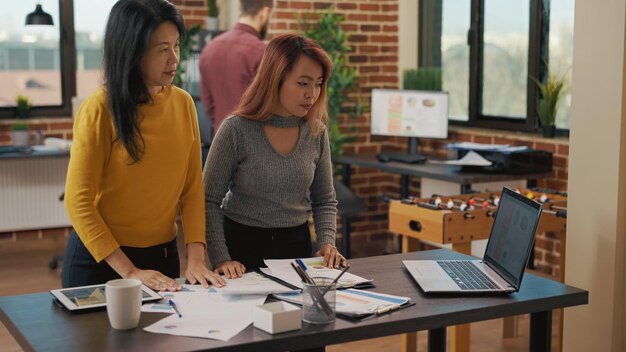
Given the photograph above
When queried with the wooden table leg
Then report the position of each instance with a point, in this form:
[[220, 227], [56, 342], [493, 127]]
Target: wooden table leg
[[409, 342], [460, 334], [410, 244]]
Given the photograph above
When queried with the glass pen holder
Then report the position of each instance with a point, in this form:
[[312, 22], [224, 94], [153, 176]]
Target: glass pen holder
[[318, 301]]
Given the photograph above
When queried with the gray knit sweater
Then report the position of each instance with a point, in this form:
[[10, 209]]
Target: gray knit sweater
[[249, 182]]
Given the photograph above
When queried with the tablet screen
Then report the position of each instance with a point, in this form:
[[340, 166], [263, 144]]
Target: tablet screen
[[87, 297]]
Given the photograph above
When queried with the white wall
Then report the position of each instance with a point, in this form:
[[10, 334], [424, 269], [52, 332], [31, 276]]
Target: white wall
[[407, 36], [596, 223]]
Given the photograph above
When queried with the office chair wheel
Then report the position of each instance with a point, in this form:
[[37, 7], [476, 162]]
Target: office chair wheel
[[54, 261]]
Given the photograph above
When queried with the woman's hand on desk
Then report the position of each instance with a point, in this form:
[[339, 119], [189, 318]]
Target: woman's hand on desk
[[151, 278], [231, 268], [332, 257], [155, 280], [197, 271]]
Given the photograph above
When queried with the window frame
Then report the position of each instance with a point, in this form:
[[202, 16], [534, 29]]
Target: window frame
[[67, 53], [538, 46]]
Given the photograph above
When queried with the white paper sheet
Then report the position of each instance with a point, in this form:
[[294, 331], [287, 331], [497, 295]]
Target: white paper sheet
[[281, 268], [187, 297], [252, 284], [470, 159], [212, 320]]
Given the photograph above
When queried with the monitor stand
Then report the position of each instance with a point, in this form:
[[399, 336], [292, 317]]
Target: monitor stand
[[412, 157]]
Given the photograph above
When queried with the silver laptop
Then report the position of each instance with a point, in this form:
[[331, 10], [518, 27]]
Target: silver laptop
[[506, 255]]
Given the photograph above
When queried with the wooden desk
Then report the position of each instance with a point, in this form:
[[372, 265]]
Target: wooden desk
[[36, 323]]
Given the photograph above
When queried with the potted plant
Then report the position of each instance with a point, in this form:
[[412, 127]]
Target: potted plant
[[327, 31], [187, 42], [20, 133], [423, 78], [551, 93], [212, 22]]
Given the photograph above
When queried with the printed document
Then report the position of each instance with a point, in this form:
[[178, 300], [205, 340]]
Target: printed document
[[281, 268], [356, 303]]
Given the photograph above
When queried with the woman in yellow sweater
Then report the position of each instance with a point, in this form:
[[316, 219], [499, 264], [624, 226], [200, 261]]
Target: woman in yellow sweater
[[135, 162]]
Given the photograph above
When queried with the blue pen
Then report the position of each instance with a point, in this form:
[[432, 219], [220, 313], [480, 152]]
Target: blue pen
[[171, 303], [301, 263]]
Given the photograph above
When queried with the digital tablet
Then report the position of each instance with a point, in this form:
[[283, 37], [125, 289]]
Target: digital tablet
[[83, 298]]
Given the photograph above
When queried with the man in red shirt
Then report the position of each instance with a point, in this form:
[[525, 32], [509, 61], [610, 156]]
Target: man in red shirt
[[229, 62]]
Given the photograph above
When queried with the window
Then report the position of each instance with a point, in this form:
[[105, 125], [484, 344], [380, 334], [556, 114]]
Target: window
[[29, 57], [90, 19], [32, 57], [561, 50], [489, 49]]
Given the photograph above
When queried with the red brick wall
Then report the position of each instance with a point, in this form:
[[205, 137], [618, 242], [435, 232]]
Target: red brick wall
[[194, 11], [373, 34]]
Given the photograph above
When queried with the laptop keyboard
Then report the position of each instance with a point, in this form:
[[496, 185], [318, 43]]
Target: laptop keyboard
[[466, 275]]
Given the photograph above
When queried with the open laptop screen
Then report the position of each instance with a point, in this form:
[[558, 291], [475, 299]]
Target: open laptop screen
[[512, 235]]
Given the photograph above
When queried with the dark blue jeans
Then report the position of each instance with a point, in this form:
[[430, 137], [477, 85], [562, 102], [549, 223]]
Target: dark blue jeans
[[81, 269], [250, 245]]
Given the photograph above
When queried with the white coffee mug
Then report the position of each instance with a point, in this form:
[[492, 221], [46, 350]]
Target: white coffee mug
[[123, 297]]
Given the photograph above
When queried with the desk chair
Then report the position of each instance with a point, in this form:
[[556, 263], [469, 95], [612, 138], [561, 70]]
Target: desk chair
[[348, 206], [206, 129], [54, 261]]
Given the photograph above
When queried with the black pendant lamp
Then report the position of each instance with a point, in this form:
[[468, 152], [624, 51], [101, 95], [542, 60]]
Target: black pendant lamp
[[39, 17]]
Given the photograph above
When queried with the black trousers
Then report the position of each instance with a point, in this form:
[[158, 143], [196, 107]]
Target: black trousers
[[250, 245], [81, 269]]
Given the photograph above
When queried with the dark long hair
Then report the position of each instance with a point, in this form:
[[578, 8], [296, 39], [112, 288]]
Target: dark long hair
[[126, 41]]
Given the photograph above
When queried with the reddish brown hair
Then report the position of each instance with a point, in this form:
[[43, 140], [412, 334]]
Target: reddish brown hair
[[279, 58]]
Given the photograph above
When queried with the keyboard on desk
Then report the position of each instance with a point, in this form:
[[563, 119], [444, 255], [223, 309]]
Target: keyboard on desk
[[401, 158], [466, 275]]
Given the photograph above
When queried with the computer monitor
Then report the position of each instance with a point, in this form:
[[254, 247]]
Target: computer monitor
[[409, 113]]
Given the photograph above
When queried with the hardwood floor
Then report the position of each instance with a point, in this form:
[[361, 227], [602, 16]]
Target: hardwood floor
[[24, 269]]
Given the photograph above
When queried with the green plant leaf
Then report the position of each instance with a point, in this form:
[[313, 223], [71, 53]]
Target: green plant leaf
[[550, 93], [326, 29]]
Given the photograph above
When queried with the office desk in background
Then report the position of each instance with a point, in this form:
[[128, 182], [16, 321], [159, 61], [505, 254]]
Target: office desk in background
[[440, 172], [436, 178], [37, 323]]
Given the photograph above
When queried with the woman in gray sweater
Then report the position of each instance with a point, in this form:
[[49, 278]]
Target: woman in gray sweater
[[269, 165]]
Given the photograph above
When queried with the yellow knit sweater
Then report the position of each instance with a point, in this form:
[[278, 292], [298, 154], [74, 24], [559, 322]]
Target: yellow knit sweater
[[112, 202]]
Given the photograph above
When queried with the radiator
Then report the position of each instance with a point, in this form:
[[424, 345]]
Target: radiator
[[29, 193]]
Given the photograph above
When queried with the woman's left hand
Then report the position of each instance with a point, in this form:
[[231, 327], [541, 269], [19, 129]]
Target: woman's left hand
[[332, 257], [197, 271]]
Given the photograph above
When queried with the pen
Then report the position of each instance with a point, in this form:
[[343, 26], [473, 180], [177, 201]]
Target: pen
[[301, 263], [387, 309], [316, 293], [336, 279], [173, 305]]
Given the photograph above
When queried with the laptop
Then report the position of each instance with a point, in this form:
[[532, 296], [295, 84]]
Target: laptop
[[506, 255]]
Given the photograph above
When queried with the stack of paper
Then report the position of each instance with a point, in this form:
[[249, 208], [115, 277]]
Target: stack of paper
[[485, 147], [470, 159], [281, 268], [205, 312], [353, 303]]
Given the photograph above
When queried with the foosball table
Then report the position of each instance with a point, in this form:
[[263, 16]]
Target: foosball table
[[460, 219]]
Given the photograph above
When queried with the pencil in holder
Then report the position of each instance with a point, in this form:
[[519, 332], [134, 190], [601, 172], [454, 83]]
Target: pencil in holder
[[318, 301]]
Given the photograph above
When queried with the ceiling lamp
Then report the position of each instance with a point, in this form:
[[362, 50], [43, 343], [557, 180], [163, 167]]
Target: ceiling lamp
[[39, 17]]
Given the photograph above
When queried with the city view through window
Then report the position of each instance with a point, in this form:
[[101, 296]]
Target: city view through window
[[30, 55], [505, 56]]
